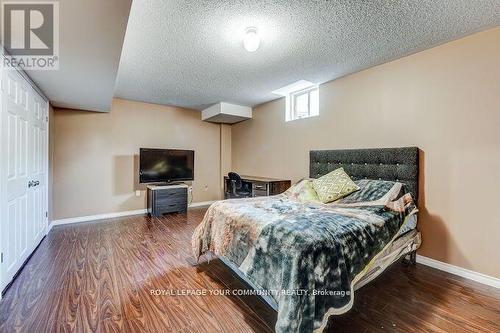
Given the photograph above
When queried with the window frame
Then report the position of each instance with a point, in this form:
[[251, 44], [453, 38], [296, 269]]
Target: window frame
[[293, 103]]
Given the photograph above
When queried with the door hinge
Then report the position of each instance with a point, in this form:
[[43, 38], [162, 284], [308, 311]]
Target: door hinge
[[47, 118], [46, 214], [1, 258]]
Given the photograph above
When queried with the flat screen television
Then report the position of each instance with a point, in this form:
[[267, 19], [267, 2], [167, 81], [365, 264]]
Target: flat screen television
[[165, 165]]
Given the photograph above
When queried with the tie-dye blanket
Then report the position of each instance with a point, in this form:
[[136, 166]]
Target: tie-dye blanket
[[307, 256]]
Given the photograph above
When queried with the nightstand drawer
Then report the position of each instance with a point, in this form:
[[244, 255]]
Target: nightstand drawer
[[171, 193], [259, 186], [258, 193], [170, 200], [172, 207], [167, 200]]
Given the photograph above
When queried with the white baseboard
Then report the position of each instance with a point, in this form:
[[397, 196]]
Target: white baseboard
[[459, 271], [114, 215], [96, 217]]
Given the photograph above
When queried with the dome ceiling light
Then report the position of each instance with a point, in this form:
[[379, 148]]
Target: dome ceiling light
[[251, 40]]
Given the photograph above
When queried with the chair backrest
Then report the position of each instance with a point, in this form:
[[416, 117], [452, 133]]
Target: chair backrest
[[235, 179]]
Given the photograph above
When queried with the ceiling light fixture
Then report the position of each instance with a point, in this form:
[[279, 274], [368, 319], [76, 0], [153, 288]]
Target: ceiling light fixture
[[251, 41]]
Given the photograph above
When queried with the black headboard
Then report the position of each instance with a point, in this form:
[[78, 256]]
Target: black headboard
[[395, 164]]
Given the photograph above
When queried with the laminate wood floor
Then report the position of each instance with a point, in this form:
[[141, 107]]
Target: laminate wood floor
[[98, 277]]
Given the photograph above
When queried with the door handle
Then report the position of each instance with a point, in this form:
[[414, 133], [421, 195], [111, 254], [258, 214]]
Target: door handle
[[33, 183]]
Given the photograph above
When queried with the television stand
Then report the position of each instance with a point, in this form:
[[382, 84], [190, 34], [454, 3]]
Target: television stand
[[164, 199]]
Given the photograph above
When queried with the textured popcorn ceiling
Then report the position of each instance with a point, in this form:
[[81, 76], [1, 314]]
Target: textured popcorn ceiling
[[189, 53]]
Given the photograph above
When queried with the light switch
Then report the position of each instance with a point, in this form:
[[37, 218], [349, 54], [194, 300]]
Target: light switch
[[137, 193]]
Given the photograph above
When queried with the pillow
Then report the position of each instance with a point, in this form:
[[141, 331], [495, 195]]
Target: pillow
[[303, 192], [334, 185], [371, 190]]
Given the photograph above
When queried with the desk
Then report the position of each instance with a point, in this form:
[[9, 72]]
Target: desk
[[259, 186]]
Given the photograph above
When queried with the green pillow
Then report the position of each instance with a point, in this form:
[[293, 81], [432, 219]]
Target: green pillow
[[334, 185], [303, 192]]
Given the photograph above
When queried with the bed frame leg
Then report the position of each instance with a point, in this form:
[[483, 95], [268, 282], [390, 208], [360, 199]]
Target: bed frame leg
[[410, 259]]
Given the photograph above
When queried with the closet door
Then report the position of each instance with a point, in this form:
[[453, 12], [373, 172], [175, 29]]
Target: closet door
[[23, 171], [38, 158], [15, 177]]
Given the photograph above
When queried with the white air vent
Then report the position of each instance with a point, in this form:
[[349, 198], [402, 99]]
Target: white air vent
[[226, 113]]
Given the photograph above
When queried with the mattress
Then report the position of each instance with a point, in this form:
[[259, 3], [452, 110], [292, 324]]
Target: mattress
[[404, 244], [407, 242], [308, 256], [411, 224]]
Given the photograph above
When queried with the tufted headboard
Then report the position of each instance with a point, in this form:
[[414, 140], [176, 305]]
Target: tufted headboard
[[394, 164]]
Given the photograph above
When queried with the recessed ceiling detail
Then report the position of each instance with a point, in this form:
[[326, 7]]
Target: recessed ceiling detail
[[293, 87], [91, 40], [190, 54], [226, 113]]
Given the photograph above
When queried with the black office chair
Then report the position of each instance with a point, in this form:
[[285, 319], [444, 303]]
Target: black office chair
[[237, 189]]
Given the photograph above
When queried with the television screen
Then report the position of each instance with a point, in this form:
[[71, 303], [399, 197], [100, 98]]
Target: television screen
[[165, 165]]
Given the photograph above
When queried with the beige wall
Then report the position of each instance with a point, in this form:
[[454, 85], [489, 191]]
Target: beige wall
[[96, 155], [225, 153], [51, 163], [446, 101]]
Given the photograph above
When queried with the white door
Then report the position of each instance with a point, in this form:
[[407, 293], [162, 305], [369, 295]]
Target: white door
[[38, 158], [23, 172]]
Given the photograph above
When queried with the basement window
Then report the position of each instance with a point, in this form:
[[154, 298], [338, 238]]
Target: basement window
[[303, 104], [302, 99]]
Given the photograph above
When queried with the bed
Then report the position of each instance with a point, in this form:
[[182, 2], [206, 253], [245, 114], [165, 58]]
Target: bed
[[307, 259]]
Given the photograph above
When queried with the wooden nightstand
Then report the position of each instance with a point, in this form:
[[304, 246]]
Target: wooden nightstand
[[167, 199]]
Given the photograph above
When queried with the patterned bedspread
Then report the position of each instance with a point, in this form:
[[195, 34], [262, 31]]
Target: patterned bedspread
[[307, 255]]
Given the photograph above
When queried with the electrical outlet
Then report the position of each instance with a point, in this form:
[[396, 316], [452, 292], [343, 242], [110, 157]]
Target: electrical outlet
[[206, 188], [137, 193]]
